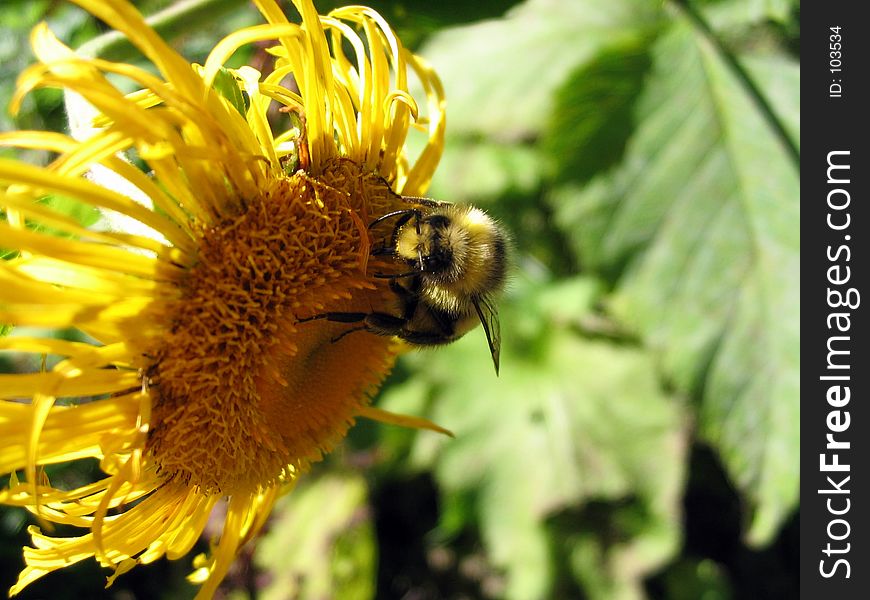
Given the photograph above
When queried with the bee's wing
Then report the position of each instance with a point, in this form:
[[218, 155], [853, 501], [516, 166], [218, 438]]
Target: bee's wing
[[489, 319]]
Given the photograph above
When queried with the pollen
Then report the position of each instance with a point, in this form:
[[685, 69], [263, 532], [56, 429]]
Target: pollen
[[246, 395]]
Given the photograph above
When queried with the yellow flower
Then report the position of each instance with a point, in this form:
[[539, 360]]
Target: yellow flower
[[201, 381]]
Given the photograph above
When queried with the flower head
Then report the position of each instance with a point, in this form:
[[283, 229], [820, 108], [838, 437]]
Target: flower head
[[201, 378]]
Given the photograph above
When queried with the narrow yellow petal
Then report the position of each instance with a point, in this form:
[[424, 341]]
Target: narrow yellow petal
[[184, 538], [228, 46], [45, 182], [19, 288], [60, 143], [47, 47], [91, 383], [92, 255], [418, 178], [257, 117], [245, 517], [122, 16], [74, 507], [391, 418], [48, 140], [67, 431], [40, 407], [106, 322], [41, 214], [106, 284], [124, 566], [41, 316], [49, 346]]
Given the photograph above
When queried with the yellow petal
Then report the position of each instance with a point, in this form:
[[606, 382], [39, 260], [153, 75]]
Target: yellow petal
[[391, 418], [46, 182], [68, 432], [91, 383]]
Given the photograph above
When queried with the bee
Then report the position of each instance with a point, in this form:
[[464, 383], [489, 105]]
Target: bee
[[456, 261]]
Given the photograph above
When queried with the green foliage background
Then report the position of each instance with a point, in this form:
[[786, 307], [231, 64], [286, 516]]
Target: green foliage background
[[643, 438]]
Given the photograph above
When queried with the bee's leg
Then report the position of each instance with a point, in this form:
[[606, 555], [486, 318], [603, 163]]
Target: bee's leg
[[420, 338], [384, 324], [394, 237], [404, 216], [396, 276], [445, 323], [390, 249], [377, 323], [383, 251], [349, 331], [409, 297], [405, 213], [401, 291], [337, 317]]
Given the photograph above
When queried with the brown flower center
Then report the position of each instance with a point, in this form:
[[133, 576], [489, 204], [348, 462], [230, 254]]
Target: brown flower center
[[243, 393]]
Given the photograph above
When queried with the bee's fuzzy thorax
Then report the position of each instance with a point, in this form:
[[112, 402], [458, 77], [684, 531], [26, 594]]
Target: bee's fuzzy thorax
[[465, 256]]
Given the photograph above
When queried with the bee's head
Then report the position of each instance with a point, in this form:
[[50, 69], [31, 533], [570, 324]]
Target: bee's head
[[435, 247]]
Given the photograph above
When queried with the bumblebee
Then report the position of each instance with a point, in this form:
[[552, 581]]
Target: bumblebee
[[456, 261]]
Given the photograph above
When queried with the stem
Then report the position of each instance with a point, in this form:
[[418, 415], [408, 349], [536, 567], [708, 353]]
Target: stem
[[169, 22], [742, 75]]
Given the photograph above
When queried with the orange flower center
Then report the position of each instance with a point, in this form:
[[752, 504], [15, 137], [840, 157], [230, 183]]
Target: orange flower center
[[245, 394]]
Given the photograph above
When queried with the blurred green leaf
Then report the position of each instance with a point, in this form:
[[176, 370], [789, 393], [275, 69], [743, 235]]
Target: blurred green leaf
[[779, 78], [478, 170], [732, 13], [84, 214], [172, 20], [15, 14], [320, 543], [593, 117], [500, 74], [572, 421], [414, 20], [567, 301], [699, 227], [691, 579]]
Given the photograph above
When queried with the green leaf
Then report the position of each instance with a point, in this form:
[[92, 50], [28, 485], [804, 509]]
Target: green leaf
[[320, 543], [414, 20], [475, 170], [170, 22], [226, 84], [84, 214], [779, 77], [500, 74], [730, 13], [568, 420], [691, 579], [22, 14], [700, 230], [593, 117]]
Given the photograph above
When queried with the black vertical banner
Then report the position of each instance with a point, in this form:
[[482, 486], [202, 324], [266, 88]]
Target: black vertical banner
[[835, 363]]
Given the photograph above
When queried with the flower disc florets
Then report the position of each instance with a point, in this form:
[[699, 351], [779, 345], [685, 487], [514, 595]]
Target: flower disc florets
[[242, 391]]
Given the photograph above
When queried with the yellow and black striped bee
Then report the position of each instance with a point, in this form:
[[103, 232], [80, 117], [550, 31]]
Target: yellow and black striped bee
[[456, 259]]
